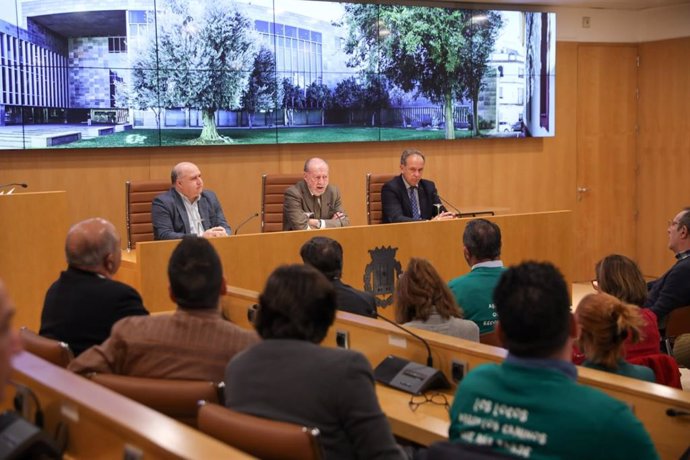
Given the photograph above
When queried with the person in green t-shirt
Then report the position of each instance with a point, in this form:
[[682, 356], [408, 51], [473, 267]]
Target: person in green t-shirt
[[531, 406], [474, 291]]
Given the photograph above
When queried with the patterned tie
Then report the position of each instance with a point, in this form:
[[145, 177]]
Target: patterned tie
[[414, 204]]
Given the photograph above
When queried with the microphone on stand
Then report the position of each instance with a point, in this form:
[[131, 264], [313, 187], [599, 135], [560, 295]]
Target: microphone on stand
[[18, 184], [429, 359], [443, 200], [256, 214]]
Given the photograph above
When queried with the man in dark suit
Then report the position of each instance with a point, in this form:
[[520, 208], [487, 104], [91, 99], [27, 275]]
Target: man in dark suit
[[326, 255], [672, 290], [84, 303], [187, 208], [408, 197], [312, 203]]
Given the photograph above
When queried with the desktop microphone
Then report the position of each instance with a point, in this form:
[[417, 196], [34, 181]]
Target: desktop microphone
[[256, 214], [333, 212], [429, 359], [443, 200], [677, 413], [19, 184]]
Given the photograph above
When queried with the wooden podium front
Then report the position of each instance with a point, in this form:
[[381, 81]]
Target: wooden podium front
[[374, 256], [32, 250]]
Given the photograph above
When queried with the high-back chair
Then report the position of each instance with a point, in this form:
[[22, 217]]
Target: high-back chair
[[273, 188], [175, 398], [374, 184], [138, 198], [677, 323], [260, 437], [54, 351]]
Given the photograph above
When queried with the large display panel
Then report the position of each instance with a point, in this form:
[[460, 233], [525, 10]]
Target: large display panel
[[175, 72]]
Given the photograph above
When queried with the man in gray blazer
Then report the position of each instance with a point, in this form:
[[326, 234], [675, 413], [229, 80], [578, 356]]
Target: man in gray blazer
[[187, 208], [312, 203]]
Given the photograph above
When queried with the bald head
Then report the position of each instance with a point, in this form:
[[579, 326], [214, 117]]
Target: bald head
[[186, 178], [316, 175], [93, 245]]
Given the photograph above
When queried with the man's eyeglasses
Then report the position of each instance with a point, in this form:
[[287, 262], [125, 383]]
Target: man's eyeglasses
[[433, 398]]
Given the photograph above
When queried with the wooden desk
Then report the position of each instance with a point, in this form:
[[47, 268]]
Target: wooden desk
[[101, 423], [32, 249], [377, 339], [249, 259]]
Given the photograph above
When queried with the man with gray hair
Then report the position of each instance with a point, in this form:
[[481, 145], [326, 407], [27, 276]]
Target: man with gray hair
[[312, 203], [84, 303]]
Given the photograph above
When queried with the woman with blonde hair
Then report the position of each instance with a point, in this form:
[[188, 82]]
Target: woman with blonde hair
[[423, 300], [620, 277], [605, 324]]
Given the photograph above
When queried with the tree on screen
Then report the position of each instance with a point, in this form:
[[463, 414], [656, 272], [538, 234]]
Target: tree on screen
[[420, 49], [479, 39], [262, 88], [292, 99], [348, 96], [204, 55], [320, 97]]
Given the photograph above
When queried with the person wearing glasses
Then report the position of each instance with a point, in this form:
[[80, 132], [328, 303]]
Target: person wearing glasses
[[408, 197], [672, 290], [531, 405], [289, 377]]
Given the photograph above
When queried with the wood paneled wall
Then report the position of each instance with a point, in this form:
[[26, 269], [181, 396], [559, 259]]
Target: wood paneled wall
[[524, 175], [663, 147]]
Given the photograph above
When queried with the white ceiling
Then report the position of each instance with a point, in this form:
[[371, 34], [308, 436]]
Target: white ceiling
[[603, 4]]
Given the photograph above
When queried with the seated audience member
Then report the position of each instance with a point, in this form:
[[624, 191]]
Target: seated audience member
[[9, 340], [408, 197], [423, 300], [672, 290], [81, 307], [193, 343], [187, 209], [474, 291], [605, 324], [620, 277], [326, 255], [530, 405], [289, 377], [313, 203]]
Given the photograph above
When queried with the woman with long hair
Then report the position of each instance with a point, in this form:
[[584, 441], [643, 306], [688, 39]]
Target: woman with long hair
[[423, 300], [606, 323]]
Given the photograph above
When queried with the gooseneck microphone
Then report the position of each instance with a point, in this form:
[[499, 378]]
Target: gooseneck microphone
[[18, 184], [443, 200], [429, 359], [256, 214]]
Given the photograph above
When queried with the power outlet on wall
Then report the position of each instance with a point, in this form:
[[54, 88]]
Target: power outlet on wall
[[342, 339], [458, 369], [586, 22]]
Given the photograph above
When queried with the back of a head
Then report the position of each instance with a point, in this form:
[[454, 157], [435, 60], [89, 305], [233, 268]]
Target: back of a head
[[420, 290], [482, 238], [605, 323], [325, 254], [619, 276], [195, 274], [298, 302], [533, 308], [89, 242]]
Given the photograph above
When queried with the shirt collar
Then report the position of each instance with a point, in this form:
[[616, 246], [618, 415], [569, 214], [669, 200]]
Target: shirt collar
[[566, 368], [407, 186], [683, 255], [187, 200], [488, 264]]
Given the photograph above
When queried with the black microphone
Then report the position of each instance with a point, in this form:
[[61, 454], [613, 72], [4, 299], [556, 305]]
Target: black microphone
[[20, 184], [449, 204], [256, 214], [429, 359], [333, 212]]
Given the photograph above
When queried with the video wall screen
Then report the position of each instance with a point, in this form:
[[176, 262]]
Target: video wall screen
[[208, 72]]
